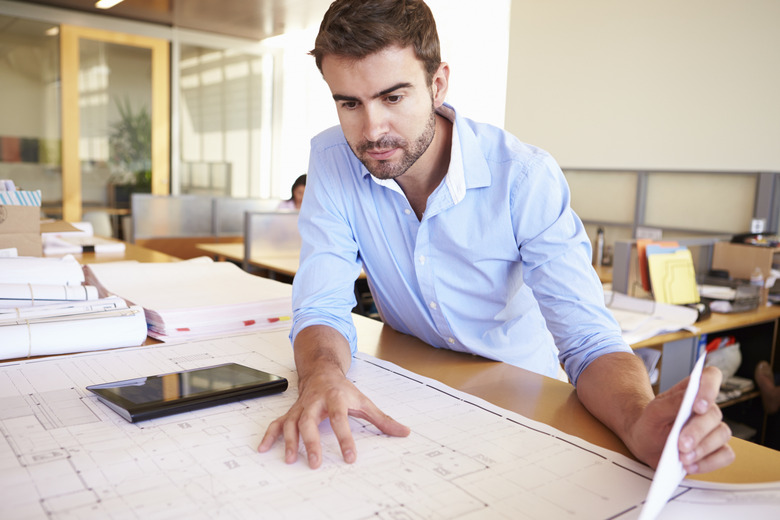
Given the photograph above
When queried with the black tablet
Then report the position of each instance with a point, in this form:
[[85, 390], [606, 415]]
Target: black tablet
[[166, 394]]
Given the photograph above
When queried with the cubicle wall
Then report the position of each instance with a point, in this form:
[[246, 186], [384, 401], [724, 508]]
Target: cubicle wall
[[174, 224], [634, 204], [229, 213], [271, 234]]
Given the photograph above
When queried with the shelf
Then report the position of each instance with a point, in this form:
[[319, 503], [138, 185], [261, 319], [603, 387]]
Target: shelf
[[747, 396]]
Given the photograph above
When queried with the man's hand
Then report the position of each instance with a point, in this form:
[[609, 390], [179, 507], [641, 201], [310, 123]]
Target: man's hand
[[325, 393], [703, 439], [615, 388]]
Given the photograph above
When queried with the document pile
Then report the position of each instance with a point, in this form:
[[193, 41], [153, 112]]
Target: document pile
[[45, 309], [195, 298], [641, 319], [83, 240]]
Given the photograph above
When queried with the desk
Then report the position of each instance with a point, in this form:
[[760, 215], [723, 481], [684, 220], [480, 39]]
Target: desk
[[131, 252], [280, 264], [604, 272], [537, 397]]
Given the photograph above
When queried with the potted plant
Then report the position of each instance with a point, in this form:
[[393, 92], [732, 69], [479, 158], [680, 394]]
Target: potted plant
[[130, 144]]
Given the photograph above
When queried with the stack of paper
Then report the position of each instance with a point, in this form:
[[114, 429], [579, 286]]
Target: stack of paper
[[81, 241], [195, 298], [641, 319], [45, 309]]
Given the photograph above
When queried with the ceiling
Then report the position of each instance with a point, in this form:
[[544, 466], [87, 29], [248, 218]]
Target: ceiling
[[253, 19]]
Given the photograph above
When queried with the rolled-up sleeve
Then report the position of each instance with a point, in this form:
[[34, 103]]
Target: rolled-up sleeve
[[323, 288]]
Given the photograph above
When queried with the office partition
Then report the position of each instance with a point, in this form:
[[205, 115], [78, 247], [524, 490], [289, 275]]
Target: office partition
[[229, 213], [163, 216], [271, 234]]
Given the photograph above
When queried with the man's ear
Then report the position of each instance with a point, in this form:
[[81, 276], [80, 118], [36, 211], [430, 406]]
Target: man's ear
[[440, 83]]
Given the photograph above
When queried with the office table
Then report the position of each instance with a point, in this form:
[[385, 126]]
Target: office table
[[131, 252], [540, 398], [284, 264], [281, 263], [537, 397]]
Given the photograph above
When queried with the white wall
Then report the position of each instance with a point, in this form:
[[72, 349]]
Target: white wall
[[667, 84]]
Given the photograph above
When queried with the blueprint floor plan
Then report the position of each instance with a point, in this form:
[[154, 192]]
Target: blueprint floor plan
[[65, 455]]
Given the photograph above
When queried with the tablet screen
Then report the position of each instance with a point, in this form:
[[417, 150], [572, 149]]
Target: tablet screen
[[183, 385]]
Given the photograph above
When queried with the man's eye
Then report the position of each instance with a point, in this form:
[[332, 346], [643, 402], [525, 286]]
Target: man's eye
[[349, 105], [396, 98]]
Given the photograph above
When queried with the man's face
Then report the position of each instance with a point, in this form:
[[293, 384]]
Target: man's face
[[385, 107]]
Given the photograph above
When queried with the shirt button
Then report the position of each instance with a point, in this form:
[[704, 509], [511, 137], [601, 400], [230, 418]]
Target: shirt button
[[433, 305], [422, 259], [450, 340], [408, 211]]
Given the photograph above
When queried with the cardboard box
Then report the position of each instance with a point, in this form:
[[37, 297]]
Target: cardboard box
[[740, 260], [20, 227]]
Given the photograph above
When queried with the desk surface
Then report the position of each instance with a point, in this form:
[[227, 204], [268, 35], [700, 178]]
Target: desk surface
[[131, 252], [716, 323], [540, 398], [285, 264], [537, 397]]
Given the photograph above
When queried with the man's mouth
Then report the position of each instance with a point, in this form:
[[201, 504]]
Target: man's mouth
[[381, 155]]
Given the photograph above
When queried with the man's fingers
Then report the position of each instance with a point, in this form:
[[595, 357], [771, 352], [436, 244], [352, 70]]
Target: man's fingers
[[719, 459], [310, 434], [271, 434], [703, 442], [709, 386], [390, 426], [290, 440], [711, 443], [381, 420], [340, 424]]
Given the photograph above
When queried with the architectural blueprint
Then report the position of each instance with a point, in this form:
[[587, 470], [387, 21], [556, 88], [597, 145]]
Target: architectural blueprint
[[65, 455]]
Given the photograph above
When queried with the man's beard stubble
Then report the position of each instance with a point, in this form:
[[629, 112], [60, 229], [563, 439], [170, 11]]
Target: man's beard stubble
[[411, 152]]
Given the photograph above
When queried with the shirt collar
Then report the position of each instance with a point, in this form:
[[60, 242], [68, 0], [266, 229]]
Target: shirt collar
[[455, 180]]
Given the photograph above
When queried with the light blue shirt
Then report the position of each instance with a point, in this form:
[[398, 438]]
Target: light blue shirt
[[499, 265]]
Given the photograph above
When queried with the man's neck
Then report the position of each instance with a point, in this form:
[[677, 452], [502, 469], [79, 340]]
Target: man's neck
[[427, 173]]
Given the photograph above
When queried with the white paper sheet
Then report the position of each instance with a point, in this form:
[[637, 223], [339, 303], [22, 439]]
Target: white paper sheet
[[670, 471], [67, 455], [640, 319]]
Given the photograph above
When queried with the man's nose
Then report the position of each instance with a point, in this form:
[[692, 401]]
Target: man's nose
[[375, 124]]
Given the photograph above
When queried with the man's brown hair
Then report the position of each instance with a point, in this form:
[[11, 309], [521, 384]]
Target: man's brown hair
[[359, 28]]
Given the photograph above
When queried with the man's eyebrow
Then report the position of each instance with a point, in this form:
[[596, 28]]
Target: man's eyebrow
[[341, 97], [392, 89]]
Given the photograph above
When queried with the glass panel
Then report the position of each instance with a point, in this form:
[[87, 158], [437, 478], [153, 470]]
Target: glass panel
[[115, 97], [711, 202], [221, 100], [30, 144]]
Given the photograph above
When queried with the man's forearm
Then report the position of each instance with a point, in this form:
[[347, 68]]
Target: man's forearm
[[320, 348], [616, 389]]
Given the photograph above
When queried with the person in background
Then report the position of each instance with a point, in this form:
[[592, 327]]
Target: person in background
[[468, 242], [294, 202]]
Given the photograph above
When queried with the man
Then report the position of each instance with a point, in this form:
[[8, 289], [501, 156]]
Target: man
[[467, 240]]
